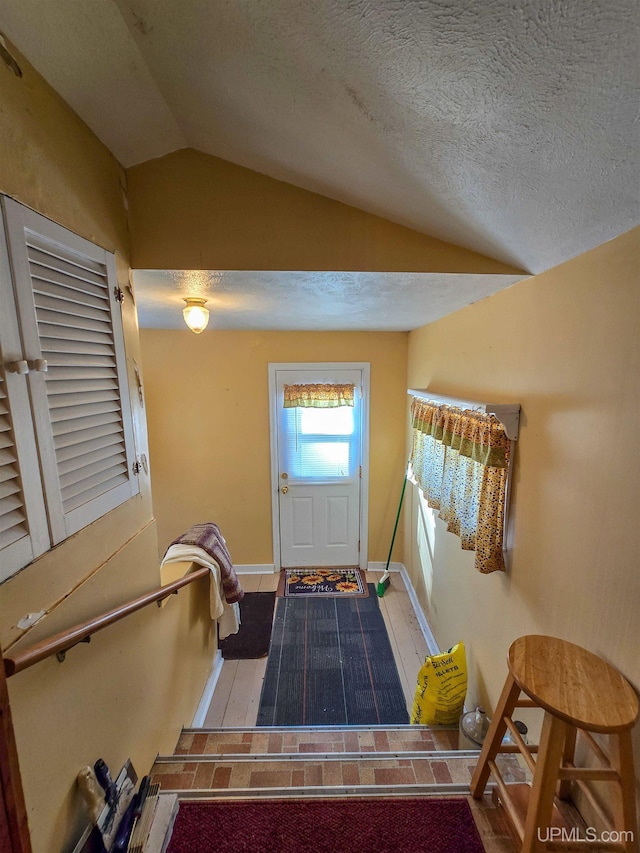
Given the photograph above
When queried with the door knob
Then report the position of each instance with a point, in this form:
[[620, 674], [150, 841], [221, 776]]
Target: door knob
[[284, 490]]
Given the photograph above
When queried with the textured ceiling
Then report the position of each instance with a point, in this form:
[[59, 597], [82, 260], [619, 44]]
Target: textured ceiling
[[393, 302], [506, 127]]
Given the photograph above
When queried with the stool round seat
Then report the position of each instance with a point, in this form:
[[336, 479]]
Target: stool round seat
[[573, 684]]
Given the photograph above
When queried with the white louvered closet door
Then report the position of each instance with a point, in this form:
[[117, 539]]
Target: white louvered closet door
[[65, 289], [24, 534]]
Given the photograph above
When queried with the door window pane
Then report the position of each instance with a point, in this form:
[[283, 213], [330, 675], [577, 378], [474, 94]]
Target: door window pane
[[338, 421], [320, 443]]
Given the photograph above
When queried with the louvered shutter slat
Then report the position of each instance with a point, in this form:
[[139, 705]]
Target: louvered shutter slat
[[91, 470], [62, 400], [70, 269], [67, 306], [71, 386], [89, 466], [13, 535], [79, 425], [73, 368], [76, 346], [49, 281], [40, 246], [6, 440], [11, 502], [103, 432], [7, 472], [68, 293], [97, 480], [13, 520], [70, 321], [77, 502], [8, 455], [9, 487], [52, 330], [84, 410], [70, 462]]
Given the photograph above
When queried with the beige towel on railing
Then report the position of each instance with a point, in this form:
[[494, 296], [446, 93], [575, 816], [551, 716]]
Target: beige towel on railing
[[227, 615]]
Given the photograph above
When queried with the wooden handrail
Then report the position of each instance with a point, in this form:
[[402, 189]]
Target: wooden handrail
[[62, 642]]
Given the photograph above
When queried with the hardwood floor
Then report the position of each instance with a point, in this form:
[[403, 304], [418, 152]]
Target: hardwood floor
[[237, 694]]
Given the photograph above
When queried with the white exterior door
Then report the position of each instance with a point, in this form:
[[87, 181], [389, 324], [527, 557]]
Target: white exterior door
[[318, 466]]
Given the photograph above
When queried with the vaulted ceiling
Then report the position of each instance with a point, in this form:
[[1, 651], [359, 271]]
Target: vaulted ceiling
[[507, 128]]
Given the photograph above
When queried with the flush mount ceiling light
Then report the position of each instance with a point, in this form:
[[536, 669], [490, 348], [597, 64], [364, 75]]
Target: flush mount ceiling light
[[196, 316]]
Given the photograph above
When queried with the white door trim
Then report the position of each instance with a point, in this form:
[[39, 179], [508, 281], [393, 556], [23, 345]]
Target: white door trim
[[363, 366]]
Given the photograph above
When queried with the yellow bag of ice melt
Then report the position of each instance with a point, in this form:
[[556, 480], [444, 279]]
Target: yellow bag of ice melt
[[441, 688]]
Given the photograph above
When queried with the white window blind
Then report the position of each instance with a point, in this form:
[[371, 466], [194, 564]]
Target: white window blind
[[71, 337], [321, 444]]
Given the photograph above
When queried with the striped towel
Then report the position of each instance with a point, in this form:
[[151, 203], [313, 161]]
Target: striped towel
[[204, 545], [208, 537]]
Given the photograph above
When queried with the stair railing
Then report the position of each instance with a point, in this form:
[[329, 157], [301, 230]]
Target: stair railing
[[59, 644]]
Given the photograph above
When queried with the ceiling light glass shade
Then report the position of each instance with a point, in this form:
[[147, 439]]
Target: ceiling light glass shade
[[196, 316]]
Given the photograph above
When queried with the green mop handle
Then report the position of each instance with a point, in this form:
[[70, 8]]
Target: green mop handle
[[393, 538]]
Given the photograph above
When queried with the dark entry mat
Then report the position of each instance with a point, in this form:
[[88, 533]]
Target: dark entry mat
[[252, 640], [330, 664]]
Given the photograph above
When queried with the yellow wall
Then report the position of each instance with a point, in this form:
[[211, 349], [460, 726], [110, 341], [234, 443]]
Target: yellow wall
[[564, 344], [193, 211], [128, 693], [208, 415]]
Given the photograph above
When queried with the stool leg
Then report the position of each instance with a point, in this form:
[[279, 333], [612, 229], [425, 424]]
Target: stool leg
[[625, 818], [538, 820], [493, 740], [568, 756]]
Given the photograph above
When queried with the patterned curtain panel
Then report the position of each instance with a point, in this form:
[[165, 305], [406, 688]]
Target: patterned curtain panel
[[460, 460], [318, 396]]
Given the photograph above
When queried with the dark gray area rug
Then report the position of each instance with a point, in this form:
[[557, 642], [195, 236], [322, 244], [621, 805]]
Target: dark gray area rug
[[331, 664], [252, 640]]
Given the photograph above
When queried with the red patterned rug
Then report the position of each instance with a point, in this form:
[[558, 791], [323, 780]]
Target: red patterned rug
[[326, 826]]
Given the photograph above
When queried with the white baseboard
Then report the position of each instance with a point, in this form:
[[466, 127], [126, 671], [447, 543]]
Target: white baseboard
[[427, 633], [255, 569], [380, 567], [207, 693]]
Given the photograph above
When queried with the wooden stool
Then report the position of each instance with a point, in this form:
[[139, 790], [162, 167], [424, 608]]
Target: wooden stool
[[579, 692]]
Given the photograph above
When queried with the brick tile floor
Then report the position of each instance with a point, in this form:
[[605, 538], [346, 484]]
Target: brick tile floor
[[259, 743], [186, 772], [268, 774]]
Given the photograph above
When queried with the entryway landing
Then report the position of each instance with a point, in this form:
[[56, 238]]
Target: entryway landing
[[237, 694]]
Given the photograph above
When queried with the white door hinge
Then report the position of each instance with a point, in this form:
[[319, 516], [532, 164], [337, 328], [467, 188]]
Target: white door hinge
[[118, 294]]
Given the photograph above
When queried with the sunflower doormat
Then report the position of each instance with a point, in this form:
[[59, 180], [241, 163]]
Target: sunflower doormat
[[327, 582]]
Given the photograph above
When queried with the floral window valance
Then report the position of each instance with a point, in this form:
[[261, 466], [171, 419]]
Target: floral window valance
[[460, 460], [318, 396]]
